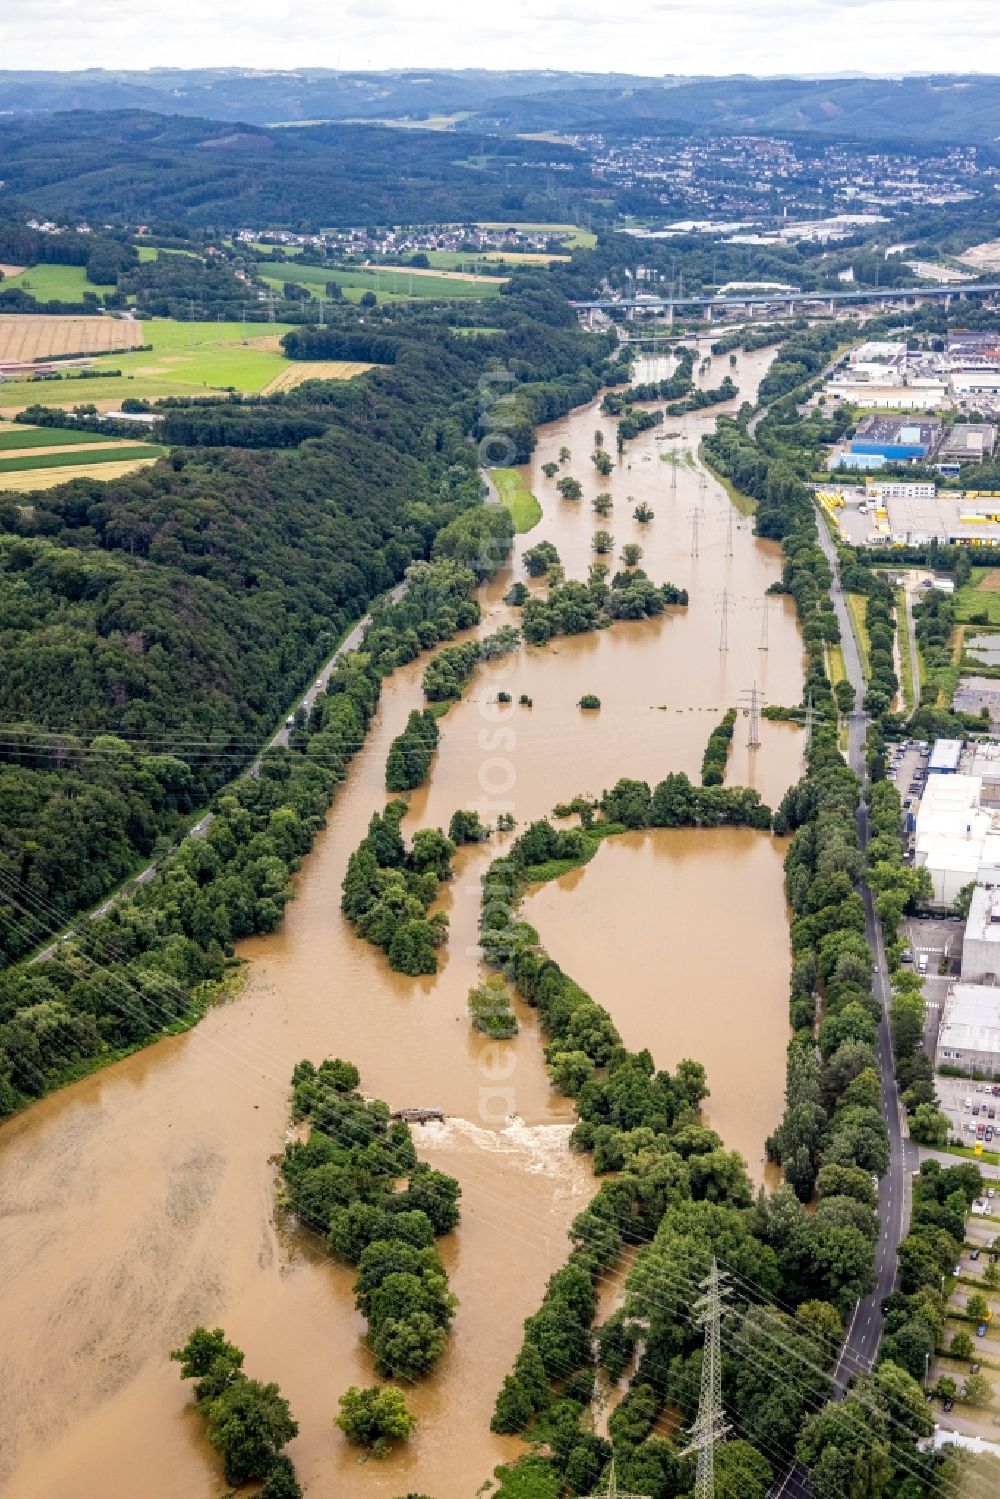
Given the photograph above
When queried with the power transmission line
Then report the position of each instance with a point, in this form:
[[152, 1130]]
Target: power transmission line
[[723, 604], [753, 701], [710, 1426], [694, 516]]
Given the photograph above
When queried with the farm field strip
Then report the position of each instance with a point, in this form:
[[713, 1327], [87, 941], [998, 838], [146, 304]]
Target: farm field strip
[[27, 336], [298, 371], [27, 480], [63, 458], [393, 283], [22, 436]]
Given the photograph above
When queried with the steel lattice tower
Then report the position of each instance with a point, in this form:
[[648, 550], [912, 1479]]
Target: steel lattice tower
[[711, 1426], [613, 1491]]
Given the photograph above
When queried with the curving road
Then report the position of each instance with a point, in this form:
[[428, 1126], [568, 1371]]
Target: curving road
[[280, 738]]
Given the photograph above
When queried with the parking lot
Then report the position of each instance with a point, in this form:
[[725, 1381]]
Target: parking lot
[[984, 1109], [908, 771], [981, 1248]]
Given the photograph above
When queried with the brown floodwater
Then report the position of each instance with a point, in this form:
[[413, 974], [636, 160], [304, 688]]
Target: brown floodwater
[[142, 1200]]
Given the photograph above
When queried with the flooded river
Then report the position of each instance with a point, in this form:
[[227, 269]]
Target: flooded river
[[141, 1200]]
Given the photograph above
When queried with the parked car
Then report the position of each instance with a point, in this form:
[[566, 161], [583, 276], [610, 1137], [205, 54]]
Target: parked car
[[991, 1191], [949, 1403], [980, 1131], [973, 1368], [980, 1087], [991, 1112], [989, 1132], [974, 1254], [906, 956], [976, 1107], [981, 1330], [957, 1270]]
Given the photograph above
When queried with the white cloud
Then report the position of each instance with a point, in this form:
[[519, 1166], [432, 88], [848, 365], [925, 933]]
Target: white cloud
[[650, 37]]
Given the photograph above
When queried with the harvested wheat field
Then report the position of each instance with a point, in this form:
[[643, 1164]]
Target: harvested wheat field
[[26, 480], [10, 270], [30, 337], [315, 369]]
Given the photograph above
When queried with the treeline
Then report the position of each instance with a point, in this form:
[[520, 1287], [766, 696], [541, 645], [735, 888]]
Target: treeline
[[713, 761], [449, 671], [411, 752], [671, 1188], [702, 397], [672, 388], [357, 1181], [388, 890], [247, 1422], [571, 608]]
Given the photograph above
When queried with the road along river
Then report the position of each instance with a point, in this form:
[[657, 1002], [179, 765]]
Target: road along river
[[142, 1200]]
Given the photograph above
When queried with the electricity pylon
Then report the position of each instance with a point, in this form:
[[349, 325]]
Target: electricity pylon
[[723, 604], [613, 1491], [711, 1425], [752, 703], [765, 610], [694, 516]]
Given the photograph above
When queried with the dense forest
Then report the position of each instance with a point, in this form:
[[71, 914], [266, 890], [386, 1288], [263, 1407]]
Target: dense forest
[[139, 167]]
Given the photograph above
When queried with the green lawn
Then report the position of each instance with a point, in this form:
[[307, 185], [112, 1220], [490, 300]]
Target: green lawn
[[857, 604], [905, 658], [153, 252], [64, 460], [518, 498], [14, 436], [55, 283], [475, 330], [391, 284], [972, 598], [186, 359]]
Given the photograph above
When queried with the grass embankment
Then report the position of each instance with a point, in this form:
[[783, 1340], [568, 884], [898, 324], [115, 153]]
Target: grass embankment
[[29, 461], [18, 437], [856, 604], [741, 502], [390, 284], [836, 670], [905, 654], [553, 869], [515, 494]]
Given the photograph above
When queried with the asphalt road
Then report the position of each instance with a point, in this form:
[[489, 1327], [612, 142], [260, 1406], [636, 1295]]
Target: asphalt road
[[201, 827], [865, 1327]]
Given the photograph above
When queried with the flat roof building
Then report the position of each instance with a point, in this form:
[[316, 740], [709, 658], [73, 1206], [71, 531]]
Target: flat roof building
[[967, 442], [945, 757], [951, 834], [895, 438], [969, 1036], [981, 947]]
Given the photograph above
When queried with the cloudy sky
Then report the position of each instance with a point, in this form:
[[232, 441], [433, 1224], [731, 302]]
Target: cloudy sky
[[646, 36]]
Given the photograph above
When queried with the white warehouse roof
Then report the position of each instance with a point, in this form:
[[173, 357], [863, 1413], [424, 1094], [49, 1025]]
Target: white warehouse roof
[[946, 754], [970, 1020]]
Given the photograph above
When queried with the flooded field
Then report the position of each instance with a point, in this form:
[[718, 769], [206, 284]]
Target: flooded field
[[142, 1200]]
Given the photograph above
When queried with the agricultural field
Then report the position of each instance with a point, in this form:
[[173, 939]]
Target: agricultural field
[[153, 252], [390, 285], [40, 457], [27, 481], [299, 370], [573, 237], [55, 283], [455, 260], [15, 438], [15, 462], [27, 336], [186, 359]]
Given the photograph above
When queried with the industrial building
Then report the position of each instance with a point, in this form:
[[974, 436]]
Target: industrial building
[[969, 1036], [966, 442], [945, 757], [915, 395], [981, 947], [955, 837], [946, 517], [894, 439]]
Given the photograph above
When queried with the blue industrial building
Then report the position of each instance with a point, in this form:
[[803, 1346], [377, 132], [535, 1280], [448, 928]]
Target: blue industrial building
[[895, 440], [868, 461]]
